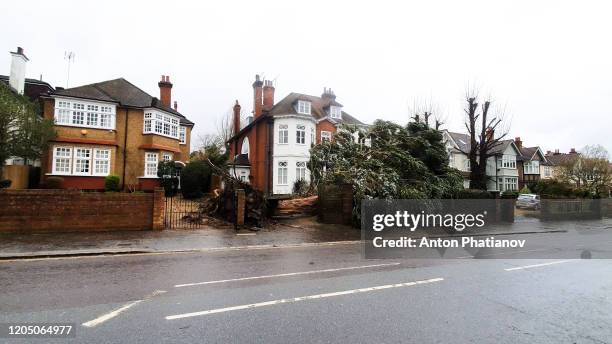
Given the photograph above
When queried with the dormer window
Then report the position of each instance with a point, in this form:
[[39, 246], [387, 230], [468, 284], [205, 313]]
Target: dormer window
[[303, 107], [335, 112]]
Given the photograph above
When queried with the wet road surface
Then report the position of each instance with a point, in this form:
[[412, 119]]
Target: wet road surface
[[314, 294]]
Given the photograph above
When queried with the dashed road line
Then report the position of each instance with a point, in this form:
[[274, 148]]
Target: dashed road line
[[537, 265], [285, 275], [108, 316], [301, 298]]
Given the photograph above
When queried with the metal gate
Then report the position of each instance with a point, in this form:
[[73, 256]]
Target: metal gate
[[183, 213]]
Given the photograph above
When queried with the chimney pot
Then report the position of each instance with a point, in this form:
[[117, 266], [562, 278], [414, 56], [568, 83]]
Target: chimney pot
[[165, 91], [268, 95], [257, 96], [175, 106]]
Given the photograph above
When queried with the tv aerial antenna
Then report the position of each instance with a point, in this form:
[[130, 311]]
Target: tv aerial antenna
[[69, 57]]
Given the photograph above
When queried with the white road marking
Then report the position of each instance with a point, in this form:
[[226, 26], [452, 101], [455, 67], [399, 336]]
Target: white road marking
[[105, 317], [536, 265], [241, 234], [302, 298], [284, 275]]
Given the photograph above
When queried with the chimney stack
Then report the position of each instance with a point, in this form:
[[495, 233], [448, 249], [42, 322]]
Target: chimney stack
[[328, 94], [572, 151], [165, 90], [257, 96], [236, 118], [268, 95], [18, 70], [518, 142]]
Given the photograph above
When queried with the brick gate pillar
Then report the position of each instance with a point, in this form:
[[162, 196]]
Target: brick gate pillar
[[159, 209]]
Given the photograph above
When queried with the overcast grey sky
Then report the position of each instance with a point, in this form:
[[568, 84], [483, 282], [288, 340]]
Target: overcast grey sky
[[547, 62]]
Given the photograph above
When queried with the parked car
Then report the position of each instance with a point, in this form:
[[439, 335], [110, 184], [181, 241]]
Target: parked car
[[528, 201]]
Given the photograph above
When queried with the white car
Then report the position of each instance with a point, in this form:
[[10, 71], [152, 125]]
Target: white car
[[529, 201]]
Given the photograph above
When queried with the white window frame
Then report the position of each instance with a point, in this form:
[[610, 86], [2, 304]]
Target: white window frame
[[167, 157], [182, 135], [283, 170], [151, 160], [283, 134], [531, 167], [79, 113], [78, 159], [335, 112], [304, 107], [67, 156], [101, 157], [160, 123], [510, 184], [508, 161], [300, 134], [300, 170], [326, 135], [312, 136]]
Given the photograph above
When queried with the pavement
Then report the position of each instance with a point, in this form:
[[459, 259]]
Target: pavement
[[325, 293], [289, 232]]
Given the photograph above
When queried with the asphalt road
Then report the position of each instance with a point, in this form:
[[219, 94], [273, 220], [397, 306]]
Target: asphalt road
[[315, 294]]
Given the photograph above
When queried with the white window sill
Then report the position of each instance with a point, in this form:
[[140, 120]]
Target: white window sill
[[149, 177], [75, 175], [83, 126]]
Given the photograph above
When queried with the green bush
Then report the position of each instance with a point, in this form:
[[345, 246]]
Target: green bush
[[525, 190], [553, 189], [168, 174], [54, 183], [474, 194], [300, 187], [111, 183], [5, 183], [195, 179]]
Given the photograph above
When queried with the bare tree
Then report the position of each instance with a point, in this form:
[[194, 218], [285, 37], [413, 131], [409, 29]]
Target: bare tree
[[427, 112], [486, 131], [590, 169]]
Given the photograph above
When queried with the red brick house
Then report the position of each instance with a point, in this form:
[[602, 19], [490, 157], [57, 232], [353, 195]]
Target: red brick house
[[530, 164], [272, 150], [113, 128]]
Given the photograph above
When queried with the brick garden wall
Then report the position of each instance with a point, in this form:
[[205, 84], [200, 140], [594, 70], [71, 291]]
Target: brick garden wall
[[25, 211]]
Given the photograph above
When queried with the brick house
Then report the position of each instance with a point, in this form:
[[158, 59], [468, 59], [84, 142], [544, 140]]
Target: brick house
[[530, 164], [113, 128], [272, 150], [502, 167]]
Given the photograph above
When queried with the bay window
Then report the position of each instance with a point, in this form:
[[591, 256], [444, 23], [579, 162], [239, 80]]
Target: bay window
[[161, 124], [84, 114], [532, 167], [81, 161], [507, 161]]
